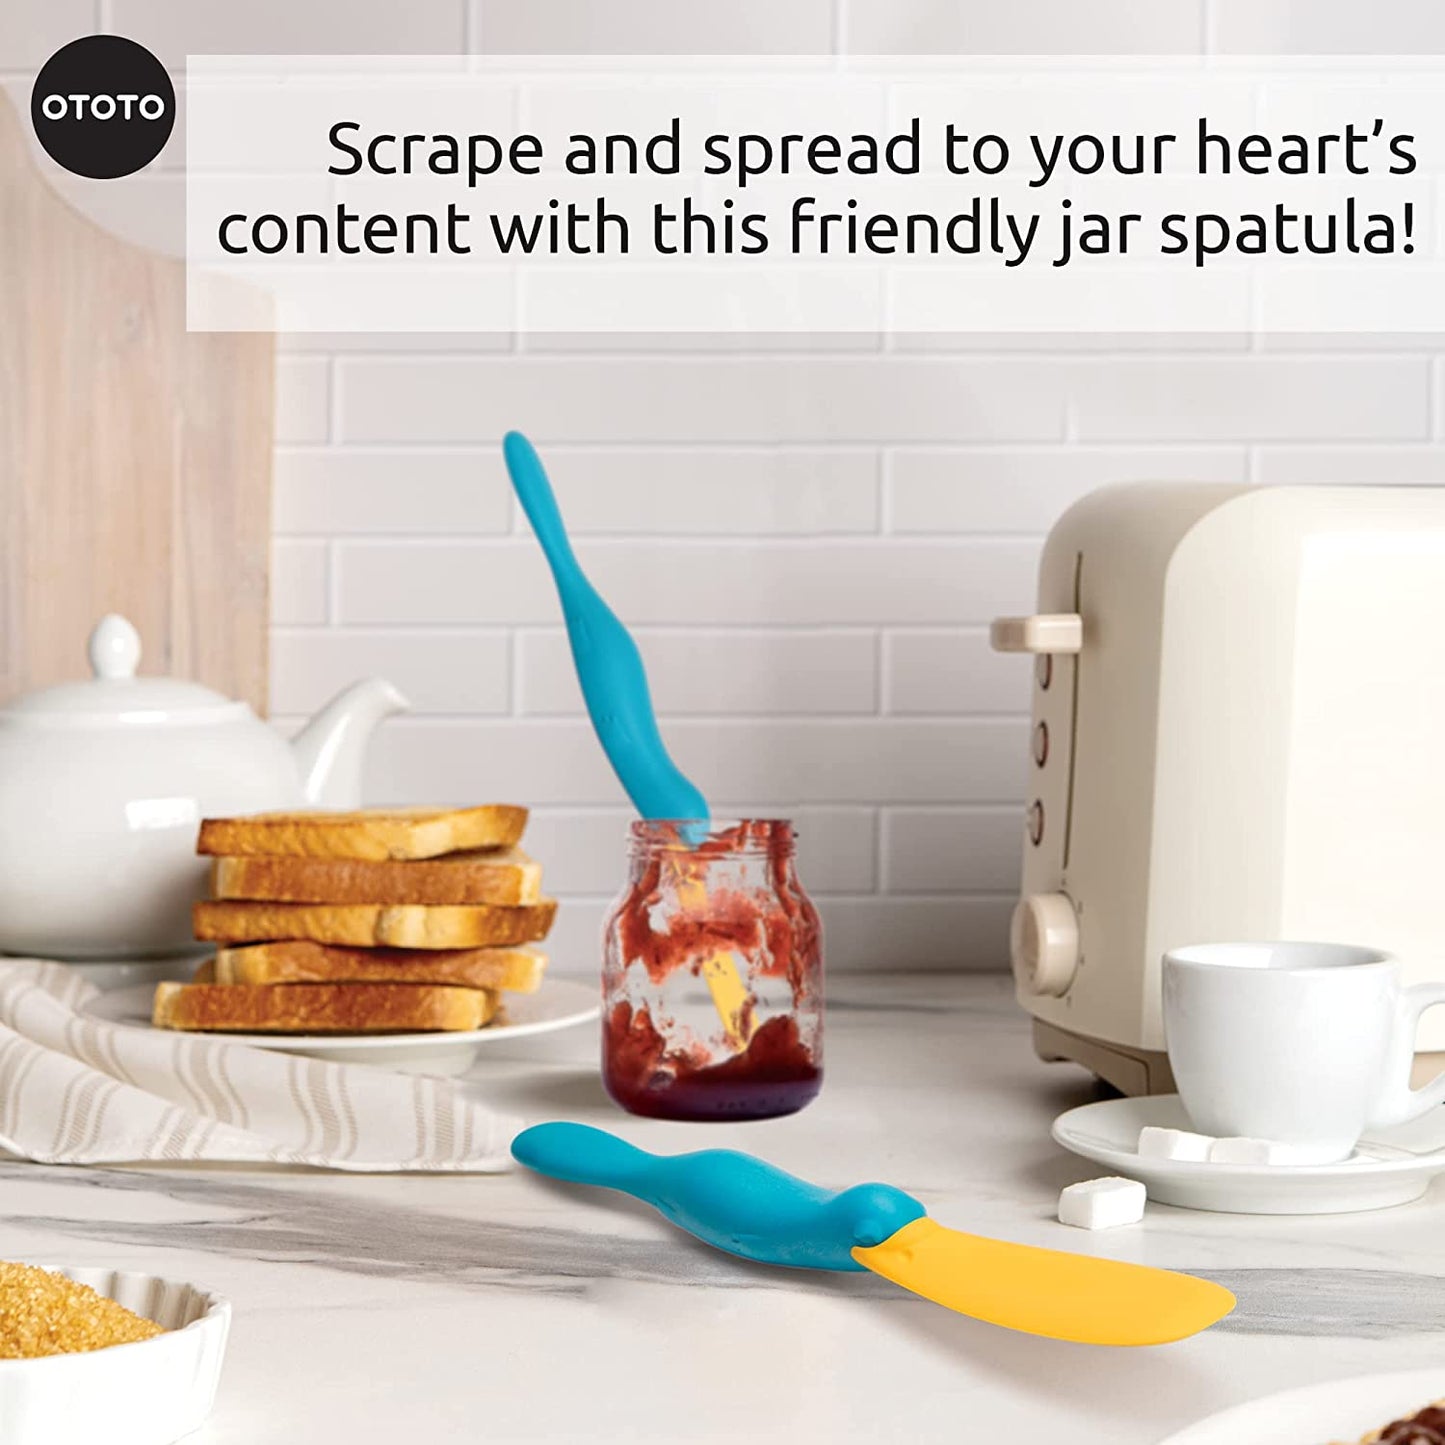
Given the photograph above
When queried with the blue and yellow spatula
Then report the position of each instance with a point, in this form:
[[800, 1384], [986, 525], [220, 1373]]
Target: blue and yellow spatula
[[740, 1204]]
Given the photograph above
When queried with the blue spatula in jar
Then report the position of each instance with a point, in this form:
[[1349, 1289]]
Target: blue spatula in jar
[[609, 665], [619, 702]]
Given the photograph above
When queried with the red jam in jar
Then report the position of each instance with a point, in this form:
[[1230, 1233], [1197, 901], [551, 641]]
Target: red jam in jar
[[712, 975]]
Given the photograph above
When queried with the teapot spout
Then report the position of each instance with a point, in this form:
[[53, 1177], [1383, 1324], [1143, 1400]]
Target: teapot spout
[[331, 748]]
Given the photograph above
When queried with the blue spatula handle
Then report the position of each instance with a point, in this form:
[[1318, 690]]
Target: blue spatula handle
[[609, 666], [539, 502], [729, 1200]]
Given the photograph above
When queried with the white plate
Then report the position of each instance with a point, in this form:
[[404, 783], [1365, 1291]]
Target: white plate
[[559, 1004], [1318, 1414], [1391, 1166]]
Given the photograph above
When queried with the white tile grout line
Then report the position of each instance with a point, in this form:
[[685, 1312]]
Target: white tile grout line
[[514, 672], [333, 583], [621, 808], [881, 839], [1252, 352], [1014, 722], [1061, 445], [724, 541], [333, 401], [885, 484], [642, 445], [948, 631], [728, 719]]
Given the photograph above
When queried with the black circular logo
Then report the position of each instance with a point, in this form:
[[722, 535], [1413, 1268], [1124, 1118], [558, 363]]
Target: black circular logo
[[103, 106]]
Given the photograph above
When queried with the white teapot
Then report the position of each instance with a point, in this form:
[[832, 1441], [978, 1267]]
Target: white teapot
[[103, 785]]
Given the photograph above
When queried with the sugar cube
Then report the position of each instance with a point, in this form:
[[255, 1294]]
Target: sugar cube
[[1102, 1203], [1252, 1151], [1174, 1144]]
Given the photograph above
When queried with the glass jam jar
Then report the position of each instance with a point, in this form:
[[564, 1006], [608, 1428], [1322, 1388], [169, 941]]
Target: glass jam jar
[[712, 974]]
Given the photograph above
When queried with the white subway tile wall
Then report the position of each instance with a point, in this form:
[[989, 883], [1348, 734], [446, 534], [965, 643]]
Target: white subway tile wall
[[462, 672], [1358, 398], [303, 399], [809, 535], [174, 29], [759, 582], [30, 32], [649, 27], [780, 762], [711, 673], [1066, 27], [299, 582], [689, 399], [1325, 27]]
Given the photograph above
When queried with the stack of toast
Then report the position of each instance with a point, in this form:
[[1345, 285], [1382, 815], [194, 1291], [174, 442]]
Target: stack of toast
[[381, 921]]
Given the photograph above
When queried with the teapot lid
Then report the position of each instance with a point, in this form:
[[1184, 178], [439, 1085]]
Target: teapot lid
[[114, 694]]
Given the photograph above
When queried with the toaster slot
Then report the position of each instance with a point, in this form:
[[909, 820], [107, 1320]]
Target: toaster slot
[[1073, 740]]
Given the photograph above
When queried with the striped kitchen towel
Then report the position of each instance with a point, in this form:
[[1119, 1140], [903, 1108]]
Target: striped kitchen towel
[[76, 1090]]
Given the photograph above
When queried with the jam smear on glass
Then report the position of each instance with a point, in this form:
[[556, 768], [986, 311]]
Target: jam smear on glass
[[712, 975]]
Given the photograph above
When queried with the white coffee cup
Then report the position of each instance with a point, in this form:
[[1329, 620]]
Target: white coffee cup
[[1305, 1044]]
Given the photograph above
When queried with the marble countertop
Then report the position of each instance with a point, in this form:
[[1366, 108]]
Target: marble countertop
[[503, 1308]]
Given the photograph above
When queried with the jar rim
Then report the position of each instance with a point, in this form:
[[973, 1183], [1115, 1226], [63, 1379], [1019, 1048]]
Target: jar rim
[[713, 835]]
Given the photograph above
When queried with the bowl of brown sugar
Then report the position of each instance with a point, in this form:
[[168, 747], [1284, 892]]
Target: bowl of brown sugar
[[98, 1355]]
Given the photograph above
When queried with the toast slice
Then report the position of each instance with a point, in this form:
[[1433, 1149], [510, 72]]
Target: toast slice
[[373, 834], [507, 878], [373, 925], [516, 970], [321, 1008]]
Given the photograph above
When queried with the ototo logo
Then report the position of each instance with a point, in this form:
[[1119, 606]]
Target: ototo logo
[[103, 106]]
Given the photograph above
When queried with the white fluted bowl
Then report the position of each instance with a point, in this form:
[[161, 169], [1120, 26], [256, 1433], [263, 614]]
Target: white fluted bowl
[[152, 1392]]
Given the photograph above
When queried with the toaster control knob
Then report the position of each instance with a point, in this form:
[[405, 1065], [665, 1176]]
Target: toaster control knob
[[1044, 942]]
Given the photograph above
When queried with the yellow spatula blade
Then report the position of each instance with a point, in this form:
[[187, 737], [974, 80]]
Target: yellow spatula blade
[[730, 995], [1045, 1291], [730, 998]]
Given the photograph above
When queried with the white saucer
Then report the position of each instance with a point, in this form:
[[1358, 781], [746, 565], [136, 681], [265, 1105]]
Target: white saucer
[[1333, 1410], [559, 1004], [1391, 1166]]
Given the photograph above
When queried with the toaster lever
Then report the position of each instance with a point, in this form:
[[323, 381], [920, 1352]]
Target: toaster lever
[[1044, 632]]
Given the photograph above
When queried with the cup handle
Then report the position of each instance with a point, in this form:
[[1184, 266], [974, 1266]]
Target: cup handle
[[1399, 1103]]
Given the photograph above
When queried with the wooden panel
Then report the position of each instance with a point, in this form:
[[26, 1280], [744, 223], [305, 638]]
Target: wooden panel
[[135, 459]]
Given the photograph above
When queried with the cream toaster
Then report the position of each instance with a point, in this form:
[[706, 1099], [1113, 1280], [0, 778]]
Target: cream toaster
[[1238, 732]]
